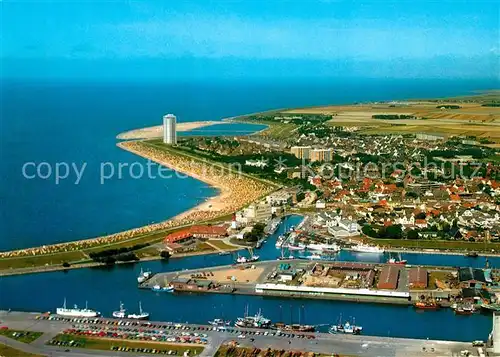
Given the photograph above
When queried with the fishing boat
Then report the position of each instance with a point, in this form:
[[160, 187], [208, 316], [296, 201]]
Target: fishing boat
[[120, 314], [397, 261], [251, 259], [76, 312], [346, 328], [465, 309], [166, 288], [163, 289], [256, 321], [142, 315], [143, 276]]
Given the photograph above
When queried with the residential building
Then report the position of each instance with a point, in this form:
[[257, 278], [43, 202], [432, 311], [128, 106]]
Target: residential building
[[302, 152], [169, 129], [321, 155]]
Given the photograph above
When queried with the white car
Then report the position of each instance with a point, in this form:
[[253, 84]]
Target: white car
[[241, 336]]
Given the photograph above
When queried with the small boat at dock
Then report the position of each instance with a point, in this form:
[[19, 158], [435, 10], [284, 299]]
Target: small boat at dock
[[143, 276], [426, 305], [397, 261], [472, 255], [120, 314], [346, 328], [293, 327], [142, 315], [256, 321], [219, 323]]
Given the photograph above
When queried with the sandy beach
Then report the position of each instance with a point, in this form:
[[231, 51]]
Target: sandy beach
[[157, 131], [235, 192]]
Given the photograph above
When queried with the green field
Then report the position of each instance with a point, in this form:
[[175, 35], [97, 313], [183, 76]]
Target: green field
[[21, 336], [107, 344], [8, 351]]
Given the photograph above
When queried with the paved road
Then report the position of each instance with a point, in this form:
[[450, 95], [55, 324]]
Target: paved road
[[323, 343]]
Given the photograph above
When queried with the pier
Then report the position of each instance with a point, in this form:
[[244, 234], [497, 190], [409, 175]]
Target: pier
[[321, 343], [300, 278]]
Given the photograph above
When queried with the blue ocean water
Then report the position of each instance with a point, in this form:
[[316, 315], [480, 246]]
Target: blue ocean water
[[76, 123], [119, 284]]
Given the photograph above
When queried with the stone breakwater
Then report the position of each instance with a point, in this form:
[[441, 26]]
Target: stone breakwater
[[235, 192]]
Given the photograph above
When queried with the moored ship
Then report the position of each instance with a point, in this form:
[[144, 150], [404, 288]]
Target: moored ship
[[426, 305], [120, 314], [142, 315], [397, 261], [346, 328], [293, 327], [256, 321], [76, 312], [364, 248], [143, 276]]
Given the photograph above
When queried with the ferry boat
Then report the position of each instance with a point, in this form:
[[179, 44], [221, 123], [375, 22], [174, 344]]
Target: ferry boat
[[76, 312], [219, 323], [364, 248], [256, 321], [143, 276], [120, 314], [142, 315], [347, 328]]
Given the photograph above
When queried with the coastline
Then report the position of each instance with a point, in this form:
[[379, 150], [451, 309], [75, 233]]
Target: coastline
[[156, 131], [235, 192]]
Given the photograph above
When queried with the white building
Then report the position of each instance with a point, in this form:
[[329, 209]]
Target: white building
[[169, 130]]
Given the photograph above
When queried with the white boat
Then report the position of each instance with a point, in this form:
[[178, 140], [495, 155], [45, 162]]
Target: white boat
[[365, 248], [165, 289], [322, 246], [219, 323], [280, 241], [76, 312], [120, 314], [314, 257], [243, 260], [293, 247], [142, 315], [143, 276]]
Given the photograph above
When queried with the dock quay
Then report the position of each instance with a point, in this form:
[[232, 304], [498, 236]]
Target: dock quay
[[336, 280], [212, 338]]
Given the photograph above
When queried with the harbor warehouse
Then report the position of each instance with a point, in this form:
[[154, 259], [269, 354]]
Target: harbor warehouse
[[388, 278], [418, 278]]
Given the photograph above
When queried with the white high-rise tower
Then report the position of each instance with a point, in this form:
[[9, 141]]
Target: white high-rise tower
[[169, 130]]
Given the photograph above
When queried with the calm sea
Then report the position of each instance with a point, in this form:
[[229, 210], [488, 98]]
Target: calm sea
[[76, 123]]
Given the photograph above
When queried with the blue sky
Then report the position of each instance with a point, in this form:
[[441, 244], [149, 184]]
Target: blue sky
[[461, 37]]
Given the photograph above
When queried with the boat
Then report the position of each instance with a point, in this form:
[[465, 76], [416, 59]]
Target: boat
[[120, 314], [219, 323], [142, 315], [472, 254], [346, 328], [293, 247], [251, 259], [314, 257], [322, 246], [256, 321], [465, 309], [143, 276], [224, 253], [293, 327], [280, 241], [163, 289], [426, 305], [397, 261], [365, 248], [76, 312]]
